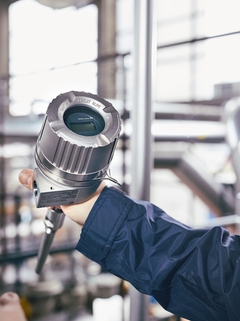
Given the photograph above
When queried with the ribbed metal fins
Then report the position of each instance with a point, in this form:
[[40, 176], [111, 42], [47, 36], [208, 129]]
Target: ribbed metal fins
[[83, 159], [58, 158], [72, 158]]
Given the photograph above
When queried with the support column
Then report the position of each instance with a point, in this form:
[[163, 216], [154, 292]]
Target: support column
[[141, 116], [4, 80], [4, 41], [107, 48], [4, 58], [142, 98]]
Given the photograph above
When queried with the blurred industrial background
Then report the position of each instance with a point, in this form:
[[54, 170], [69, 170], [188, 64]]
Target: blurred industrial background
[[171, 69]]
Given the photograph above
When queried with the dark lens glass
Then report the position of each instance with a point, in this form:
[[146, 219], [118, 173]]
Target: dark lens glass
[[83, 120]]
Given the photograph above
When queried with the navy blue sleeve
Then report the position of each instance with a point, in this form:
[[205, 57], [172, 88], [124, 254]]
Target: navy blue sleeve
[[193, 273]]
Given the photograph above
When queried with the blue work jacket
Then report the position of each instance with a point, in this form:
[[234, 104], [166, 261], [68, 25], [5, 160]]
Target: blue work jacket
[[193, 273]]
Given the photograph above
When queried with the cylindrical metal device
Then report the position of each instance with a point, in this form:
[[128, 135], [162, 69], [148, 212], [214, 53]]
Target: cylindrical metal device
[[73, 153], [74, 148]]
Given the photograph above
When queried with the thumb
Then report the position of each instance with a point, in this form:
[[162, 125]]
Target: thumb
[[26, 178]]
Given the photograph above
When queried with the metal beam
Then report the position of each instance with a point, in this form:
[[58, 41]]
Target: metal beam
[[186, 166]]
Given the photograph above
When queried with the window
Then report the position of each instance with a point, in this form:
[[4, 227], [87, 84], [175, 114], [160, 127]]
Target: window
[[51, 51], [193, 70]]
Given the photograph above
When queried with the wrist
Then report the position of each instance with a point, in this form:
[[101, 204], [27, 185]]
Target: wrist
[[79, 212]]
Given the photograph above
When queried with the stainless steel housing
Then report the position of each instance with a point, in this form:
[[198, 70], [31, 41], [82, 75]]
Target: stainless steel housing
[[71, 166]]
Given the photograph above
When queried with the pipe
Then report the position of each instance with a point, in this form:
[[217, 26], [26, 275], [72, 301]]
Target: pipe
[[141, 116]]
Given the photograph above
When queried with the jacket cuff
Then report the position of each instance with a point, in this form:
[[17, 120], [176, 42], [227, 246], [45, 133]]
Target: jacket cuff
[[103, 224]]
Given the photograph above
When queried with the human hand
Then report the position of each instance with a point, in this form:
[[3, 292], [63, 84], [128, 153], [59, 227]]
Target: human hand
[[10, 307], [76, 212]]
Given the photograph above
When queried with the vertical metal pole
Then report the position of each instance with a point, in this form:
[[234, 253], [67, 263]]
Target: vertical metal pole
[[4, 80], [106, 46], [141, 116], [141, 112]]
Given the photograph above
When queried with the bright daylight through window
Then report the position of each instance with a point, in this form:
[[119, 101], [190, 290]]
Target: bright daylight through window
[[55, 55]]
